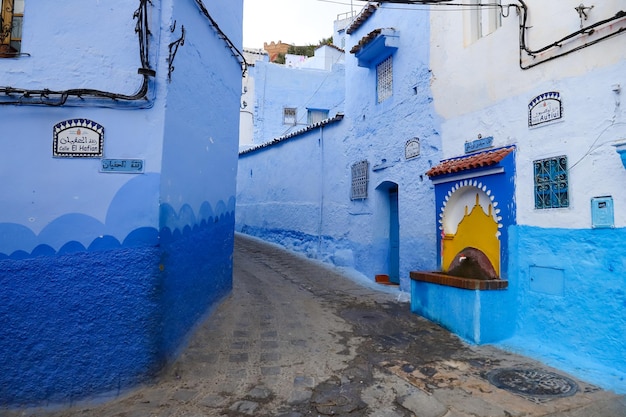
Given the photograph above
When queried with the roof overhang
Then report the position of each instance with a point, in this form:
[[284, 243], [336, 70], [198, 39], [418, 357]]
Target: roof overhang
[[376, 46], [483, 161]]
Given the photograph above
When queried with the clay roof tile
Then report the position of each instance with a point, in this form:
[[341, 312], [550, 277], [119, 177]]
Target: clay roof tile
[[472, 161]]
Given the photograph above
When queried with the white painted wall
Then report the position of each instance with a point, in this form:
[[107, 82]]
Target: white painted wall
[[469, 76], [479, 88], [324, 59], [246, 108]]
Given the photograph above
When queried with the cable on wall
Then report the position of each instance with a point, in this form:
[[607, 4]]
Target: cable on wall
[[99, 98], [522, 10], [173, 49], [588, 30], [229, 44]]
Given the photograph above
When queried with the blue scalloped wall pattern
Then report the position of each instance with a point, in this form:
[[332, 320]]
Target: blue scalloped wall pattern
[[86, 314], [76, 232], [94, 323]]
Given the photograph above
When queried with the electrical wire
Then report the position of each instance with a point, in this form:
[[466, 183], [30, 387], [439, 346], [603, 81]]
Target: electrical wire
[[236, 52], [588, 30], [522, 9], [99, 98], [23, 96], [593, 146]]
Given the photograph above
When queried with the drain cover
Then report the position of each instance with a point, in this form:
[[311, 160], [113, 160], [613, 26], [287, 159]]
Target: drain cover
[[536, 384]]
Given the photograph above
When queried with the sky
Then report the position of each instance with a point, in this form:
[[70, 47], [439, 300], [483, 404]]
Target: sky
[[298, 22]]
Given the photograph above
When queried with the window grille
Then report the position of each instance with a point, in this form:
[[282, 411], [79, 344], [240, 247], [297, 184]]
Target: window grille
[[289, 116], [316, 116], [11, 16], [551, 183], [359, 180], [384, 80]]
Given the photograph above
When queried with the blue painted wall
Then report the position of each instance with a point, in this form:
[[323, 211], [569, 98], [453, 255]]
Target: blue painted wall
[[297, 193], [570, 295], [282, 199], [68, 330], [199, 168], [476, 316], [105, 275], [278, 86]]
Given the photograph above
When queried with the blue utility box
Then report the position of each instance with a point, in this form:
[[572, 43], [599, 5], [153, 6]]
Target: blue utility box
[[602, 212]]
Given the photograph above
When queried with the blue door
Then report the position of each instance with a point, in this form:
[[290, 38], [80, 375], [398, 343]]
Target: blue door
[[394, 237]]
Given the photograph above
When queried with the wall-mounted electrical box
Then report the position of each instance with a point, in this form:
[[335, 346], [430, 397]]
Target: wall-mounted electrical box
[[602, 212]]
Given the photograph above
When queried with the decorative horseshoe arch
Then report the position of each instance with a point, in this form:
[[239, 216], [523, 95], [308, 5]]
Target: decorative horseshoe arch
[[470, 218]]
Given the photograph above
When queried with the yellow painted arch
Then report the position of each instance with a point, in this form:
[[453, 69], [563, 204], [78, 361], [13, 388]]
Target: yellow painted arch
[[478, 230]]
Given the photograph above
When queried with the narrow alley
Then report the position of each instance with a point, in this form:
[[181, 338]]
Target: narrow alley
[[295, 338]]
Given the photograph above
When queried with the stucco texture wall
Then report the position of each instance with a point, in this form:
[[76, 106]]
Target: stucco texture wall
[[280, 191], [104, 275], [199, 167], [570, 299], [379, 132]]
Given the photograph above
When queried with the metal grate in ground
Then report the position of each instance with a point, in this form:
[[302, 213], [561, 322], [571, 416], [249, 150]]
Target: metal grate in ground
[[533, 384]]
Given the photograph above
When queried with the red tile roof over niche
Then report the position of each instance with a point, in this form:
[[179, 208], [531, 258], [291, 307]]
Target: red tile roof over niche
[[464, 163]]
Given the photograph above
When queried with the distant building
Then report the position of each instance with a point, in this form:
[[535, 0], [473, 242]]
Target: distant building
[[281, 99], [325, 58], [119, 152], [274, 49], [339, 28]]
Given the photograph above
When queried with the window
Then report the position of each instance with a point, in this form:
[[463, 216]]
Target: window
[[384, 80], [359, 180], [551, 183], [316, 116], [289, 116], [485, 18], [11, 15]]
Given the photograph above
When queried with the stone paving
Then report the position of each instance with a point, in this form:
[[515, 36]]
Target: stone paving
[[296, 338]]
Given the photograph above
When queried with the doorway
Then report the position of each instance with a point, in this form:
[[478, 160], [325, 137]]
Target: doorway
[[394, 236]]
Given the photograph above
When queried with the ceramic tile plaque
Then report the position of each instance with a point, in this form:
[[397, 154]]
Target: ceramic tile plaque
[[544, 109], [77, 138], [412, 148], [122, 166], [479, 144]]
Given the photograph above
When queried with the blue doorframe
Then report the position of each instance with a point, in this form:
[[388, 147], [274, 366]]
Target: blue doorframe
[[394, 236]]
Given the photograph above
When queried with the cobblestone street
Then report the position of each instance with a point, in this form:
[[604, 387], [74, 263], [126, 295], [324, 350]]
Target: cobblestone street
[[298, 339]]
